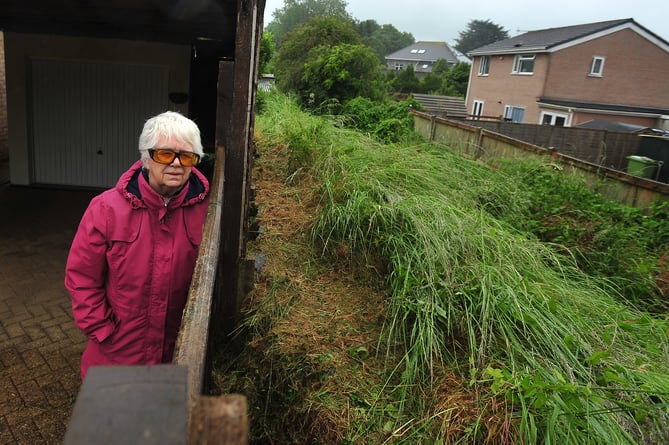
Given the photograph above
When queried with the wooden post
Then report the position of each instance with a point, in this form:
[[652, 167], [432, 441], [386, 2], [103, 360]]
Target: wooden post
[[236, 133], [479, 143]]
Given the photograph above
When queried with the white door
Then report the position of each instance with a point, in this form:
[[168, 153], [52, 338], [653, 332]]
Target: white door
[[87, 116]]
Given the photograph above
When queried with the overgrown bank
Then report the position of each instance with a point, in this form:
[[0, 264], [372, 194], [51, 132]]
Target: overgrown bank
[[399, 304]]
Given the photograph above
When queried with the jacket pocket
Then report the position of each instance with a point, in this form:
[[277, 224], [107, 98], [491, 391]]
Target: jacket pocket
[[129, 260]]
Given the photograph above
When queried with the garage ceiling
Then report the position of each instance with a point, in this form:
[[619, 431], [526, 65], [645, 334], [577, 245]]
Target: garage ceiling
[[171, 21]]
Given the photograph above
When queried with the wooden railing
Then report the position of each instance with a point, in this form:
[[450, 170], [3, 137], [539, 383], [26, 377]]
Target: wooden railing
[[192, 343]]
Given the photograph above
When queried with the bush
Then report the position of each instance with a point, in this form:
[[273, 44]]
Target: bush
[[388, 121], [607, 239]]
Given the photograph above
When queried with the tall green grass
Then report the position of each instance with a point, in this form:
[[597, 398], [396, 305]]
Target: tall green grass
[[523, 324]]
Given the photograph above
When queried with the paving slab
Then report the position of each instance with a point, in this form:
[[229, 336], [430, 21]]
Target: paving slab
[[40, 348]]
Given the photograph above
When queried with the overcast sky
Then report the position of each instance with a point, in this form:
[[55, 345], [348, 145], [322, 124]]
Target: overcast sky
[[443, 20]]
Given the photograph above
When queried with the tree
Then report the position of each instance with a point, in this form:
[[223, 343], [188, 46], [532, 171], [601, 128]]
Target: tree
[[383, 39], [441, 67], [296, 49], [267, 50], [479, 33], [342, 72], [298, 12], [405, 81], [456, 80], [431, 83]]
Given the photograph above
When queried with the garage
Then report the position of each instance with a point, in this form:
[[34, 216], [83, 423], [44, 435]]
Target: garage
[[76, 105], [86, 117]]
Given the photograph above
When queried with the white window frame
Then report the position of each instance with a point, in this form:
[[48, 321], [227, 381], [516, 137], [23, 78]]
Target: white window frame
[[524, 64], [484, 66], [597, 66], [554, 119], [398, 66], [477, 108], [512, 112]]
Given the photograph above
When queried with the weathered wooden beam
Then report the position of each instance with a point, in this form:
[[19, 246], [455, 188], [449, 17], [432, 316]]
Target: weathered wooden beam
[[119, 405], [192, 342]]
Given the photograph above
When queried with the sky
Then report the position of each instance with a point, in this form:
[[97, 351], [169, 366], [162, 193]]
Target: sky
[[443, 20]]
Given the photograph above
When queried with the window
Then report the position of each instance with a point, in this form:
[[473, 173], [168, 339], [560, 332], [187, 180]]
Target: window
[[477, 109], [523, 64], [398, 66], [513, 113], [484, 65], [597, 66], [559, 120]]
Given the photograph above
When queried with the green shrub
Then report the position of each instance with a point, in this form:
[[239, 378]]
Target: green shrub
[[388, 121], [608, 239]]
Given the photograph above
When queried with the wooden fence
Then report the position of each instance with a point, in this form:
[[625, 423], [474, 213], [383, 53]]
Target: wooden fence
[[606, 148], [486, 145]]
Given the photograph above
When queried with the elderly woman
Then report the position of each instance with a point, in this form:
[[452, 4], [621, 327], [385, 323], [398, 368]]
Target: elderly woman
[[132, 258]]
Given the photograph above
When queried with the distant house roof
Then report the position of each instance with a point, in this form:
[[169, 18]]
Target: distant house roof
[[461, 57], [447, 106], [425, 52], [553, 39]]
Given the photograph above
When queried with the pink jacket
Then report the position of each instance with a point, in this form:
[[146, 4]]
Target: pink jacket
[[130, 267]]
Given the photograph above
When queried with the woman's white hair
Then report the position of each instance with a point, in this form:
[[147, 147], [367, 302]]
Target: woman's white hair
[[169, 125]]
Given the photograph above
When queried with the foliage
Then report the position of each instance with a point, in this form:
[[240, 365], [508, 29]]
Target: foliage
[[388, 121], [383, 39], [341, 72], [443, 80], [296, 50], [456, 80], [550, 353], [441, 67], [267, 50], [431, 83], [479, 33], [606, 238], [296, 13], [405, 81]]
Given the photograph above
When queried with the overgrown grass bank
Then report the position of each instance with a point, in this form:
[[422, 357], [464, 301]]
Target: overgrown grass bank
[[481, 332]]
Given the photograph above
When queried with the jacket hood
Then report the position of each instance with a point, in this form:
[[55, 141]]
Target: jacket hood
[[128, 186]]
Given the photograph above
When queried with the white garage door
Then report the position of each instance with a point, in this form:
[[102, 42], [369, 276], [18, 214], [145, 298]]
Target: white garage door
[[87, 116]]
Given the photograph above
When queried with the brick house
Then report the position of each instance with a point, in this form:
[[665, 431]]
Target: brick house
[[614, 70], [422, 56]]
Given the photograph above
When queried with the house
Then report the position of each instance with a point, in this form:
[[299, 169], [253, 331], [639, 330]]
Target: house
[[422, 56], [614, 70], [266, 82]]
